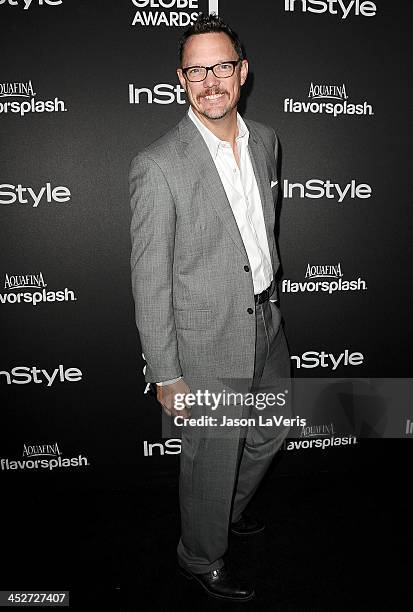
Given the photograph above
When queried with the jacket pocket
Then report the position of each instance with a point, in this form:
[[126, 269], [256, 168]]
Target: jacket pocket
[[192, 319]]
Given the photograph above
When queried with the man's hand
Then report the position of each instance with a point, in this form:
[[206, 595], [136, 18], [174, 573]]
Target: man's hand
[[165, 395]]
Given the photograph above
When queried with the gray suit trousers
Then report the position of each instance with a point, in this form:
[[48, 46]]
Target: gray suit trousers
[[219, 476]]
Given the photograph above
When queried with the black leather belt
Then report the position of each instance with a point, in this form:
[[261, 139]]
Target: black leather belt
[[263, 296]]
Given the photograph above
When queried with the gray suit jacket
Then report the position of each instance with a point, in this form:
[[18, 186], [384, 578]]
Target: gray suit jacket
[[191, 281]]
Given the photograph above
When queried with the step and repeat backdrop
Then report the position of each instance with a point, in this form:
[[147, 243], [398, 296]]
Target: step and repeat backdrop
[[83, 87]]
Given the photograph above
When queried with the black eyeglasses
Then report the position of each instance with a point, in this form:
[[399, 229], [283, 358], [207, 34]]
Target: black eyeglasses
[[223, 70]]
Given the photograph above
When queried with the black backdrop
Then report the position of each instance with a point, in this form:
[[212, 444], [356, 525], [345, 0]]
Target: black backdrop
[[86, 58]]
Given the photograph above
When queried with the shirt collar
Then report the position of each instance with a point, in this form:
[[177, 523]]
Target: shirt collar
[[213, 142]]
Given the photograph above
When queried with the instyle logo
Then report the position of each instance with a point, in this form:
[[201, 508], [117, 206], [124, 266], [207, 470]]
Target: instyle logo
[[31, 289], [23, 100], [17, 194], [315, 359], [169, 447], [42, 456], [319, 102], [162, 93], [24, 375], [357, 8], [319, 281], [314, 189], [26, 4]]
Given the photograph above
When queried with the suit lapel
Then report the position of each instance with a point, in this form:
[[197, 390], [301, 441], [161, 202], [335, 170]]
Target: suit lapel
[[259, 164], [200, 158]]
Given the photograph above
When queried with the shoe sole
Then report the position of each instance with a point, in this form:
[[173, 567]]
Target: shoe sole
[[189, 576]]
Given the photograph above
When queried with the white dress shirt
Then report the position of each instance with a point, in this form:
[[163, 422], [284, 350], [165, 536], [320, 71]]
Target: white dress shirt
[[241, 188], [243, 195]]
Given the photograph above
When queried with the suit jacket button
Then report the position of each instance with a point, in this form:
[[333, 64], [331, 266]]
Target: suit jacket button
[[250, 310], [246, 268]]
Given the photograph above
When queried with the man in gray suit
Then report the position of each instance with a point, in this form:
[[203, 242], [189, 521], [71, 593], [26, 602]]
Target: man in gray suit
[[204, 261]]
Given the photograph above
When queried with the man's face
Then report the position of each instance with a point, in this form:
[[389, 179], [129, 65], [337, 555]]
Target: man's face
[[213, 98]]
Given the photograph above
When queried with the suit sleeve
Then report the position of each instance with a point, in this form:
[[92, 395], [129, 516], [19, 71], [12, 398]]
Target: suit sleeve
[[274, 143], [153, 243], [275, 147], [274, 296]]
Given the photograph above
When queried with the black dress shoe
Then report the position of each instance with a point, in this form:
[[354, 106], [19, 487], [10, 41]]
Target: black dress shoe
[[219, 583], [247, 526]]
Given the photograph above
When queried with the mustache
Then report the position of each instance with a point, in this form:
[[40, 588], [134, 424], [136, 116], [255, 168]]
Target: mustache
[[212, 91]]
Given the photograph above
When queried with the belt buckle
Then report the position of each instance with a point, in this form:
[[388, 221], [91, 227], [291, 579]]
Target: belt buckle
[[262, 297], [259, 298]]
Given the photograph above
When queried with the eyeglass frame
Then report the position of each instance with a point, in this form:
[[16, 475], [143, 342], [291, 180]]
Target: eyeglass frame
[[234, 64]]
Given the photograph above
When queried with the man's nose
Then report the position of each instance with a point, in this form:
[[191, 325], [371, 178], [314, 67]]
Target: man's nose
[[211, 79]]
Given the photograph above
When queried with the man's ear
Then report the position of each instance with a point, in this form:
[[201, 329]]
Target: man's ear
[[244, 71], [181, 77]]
